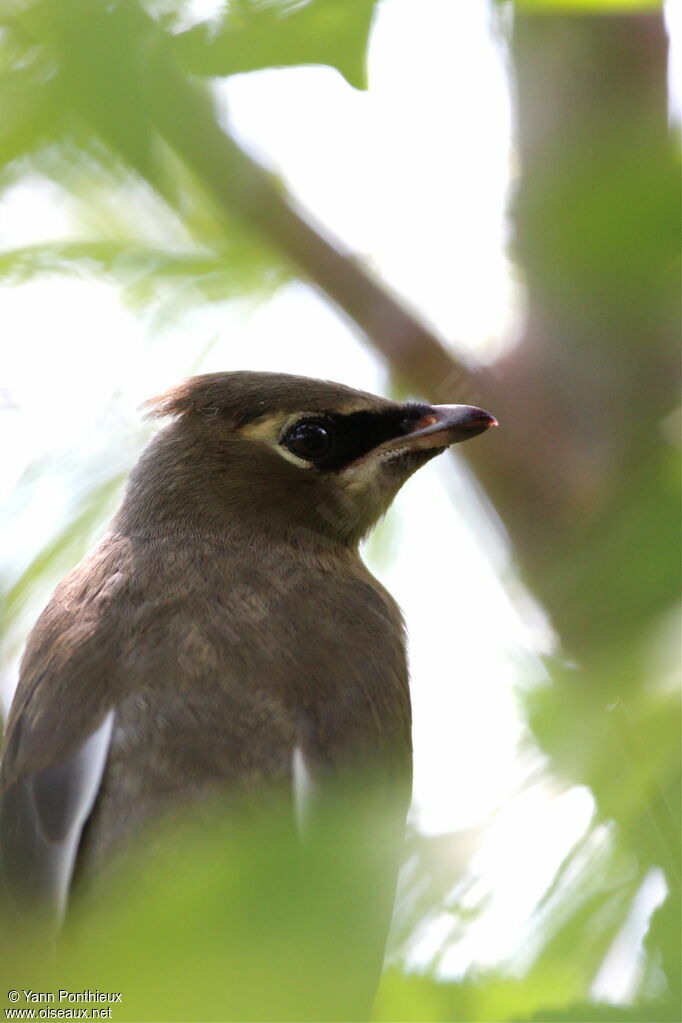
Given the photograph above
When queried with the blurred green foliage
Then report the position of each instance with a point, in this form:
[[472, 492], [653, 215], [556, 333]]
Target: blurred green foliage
[[586, 6], [103, 100], [278, 33], [227, 917]]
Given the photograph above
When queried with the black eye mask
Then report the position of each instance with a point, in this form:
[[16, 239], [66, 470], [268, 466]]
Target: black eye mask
[[331, 441]]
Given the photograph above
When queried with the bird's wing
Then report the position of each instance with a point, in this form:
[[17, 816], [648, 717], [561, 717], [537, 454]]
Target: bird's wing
[[305, 789], [58, 736], [41, 818], [206, 694]]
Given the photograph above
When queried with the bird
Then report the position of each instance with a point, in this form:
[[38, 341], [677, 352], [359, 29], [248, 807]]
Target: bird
[[225, 636]]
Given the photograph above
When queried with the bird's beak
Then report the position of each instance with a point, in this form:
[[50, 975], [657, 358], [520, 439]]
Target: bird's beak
[[444, 425], [440, 427], [437, 429]]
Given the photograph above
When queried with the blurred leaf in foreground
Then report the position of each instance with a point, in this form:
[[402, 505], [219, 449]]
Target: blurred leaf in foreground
[[253, 34], [230, 917]]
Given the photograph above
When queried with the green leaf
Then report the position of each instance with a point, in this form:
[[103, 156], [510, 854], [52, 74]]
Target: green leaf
[[493, 998], [255, 34], [586, 6], [29, 113], [600, 1012], [65, 547], [227, 917], [147, 273]]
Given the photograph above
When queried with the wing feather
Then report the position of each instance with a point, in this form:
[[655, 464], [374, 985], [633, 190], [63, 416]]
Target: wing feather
[[41, 819]]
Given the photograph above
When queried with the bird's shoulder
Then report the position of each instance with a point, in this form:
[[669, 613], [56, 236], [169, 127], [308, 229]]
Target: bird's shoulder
[[173, 622], [73, 638]]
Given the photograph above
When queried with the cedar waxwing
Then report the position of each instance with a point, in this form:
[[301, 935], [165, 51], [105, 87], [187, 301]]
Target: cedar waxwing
[[225, 635]]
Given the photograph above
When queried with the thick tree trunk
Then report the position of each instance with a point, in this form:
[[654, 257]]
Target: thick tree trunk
[[586, 472], [584, 397]]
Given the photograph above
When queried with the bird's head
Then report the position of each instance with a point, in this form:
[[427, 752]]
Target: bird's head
[[286, 455]]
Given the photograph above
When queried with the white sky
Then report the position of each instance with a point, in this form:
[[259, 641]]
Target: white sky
[[414, 175]]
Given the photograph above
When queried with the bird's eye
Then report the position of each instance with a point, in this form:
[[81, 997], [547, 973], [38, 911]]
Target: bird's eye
[[310, 440]]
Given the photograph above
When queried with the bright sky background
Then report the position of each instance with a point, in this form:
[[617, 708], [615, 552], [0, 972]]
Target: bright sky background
[[414, 175]]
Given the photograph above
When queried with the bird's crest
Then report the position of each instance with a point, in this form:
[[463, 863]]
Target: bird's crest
[[242, 396], [192, 395]]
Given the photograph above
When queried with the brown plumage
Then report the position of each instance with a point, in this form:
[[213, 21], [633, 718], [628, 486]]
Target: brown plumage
[[224, 629]]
